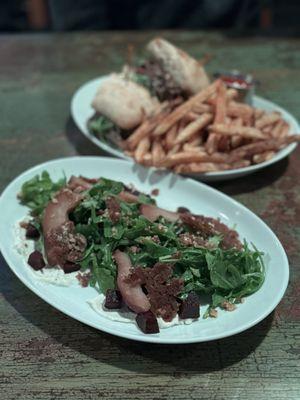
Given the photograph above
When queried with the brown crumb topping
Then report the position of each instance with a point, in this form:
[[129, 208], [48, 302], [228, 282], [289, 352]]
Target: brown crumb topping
[[155, 192], [161, 288], [114, 210], [207, 227]]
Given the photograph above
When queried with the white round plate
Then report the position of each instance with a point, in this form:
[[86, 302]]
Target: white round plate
[[174, 191], [82, 111]]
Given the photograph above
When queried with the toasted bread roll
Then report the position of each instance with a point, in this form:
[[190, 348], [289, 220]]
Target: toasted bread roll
[[124, 102], [185, 70]]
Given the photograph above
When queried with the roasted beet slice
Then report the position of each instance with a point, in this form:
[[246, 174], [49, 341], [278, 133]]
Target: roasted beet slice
[[183, 210], [147, 322], [36, 260], [113, 299], [32, 232], [69, 267], [190, 307]]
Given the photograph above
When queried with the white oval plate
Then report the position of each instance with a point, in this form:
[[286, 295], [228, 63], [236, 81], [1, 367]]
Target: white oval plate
[[174, 191], [82, 111]]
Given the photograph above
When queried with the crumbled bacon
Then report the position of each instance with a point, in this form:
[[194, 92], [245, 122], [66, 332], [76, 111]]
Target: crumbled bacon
[[161, 288], [206, 227], [114, 210]]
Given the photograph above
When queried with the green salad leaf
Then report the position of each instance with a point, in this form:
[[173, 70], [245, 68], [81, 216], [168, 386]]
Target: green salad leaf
[[38, 191]]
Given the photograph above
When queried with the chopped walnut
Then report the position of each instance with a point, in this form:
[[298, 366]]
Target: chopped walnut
[[213, 313], [228, 306]]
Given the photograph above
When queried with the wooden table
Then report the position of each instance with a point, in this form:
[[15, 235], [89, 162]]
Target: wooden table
[[46, 355]]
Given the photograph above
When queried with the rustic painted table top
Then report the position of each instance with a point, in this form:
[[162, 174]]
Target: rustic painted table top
[[46, 355]]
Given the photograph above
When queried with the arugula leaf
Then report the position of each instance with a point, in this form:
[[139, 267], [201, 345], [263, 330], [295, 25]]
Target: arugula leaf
[[144, 199], [100, 125], [38, 191]]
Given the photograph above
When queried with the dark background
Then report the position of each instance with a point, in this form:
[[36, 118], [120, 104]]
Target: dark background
[[272, 17]]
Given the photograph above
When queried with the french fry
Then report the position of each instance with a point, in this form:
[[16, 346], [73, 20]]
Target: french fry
[[237, 121], [201, 167], [267, 119], [184, 108], [201, 108], [147, 160], [198, 149], [213, 140], [147, 126], [236, 141], [212, 143], [240, 110], [276, 130], [186, 157], [245, 131], [171, 136], [220, 114], [258, 113], [231, 94], [175, 149], [224, 143], [262, 146], [191, 116], [195, 140], [193, 127], [142, 148], [285, 130], [157, 152], [262, 157], [240, 164]]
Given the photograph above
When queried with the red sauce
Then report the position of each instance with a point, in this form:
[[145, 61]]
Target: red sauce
[[235, 81]]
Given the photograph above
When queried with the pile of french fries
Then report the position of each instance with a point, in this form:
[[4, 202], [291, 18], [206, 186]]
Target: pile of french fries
[[210, 131]]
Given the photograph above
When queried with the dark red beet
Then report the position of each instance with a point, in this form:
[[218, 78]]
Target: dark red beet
[[183, 210], [69, 267], [113, 299], [36, 260], [147, 322], [190, 307], [32, 232]]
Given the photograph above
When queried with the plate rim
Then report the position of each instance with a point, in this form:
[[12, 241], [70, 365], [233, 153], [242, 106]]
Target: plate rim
[[213, 175], [139, 337]]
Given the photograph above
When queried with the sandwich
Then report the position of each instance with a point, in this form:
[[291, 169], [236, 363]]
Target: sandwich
[[169, 72]]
